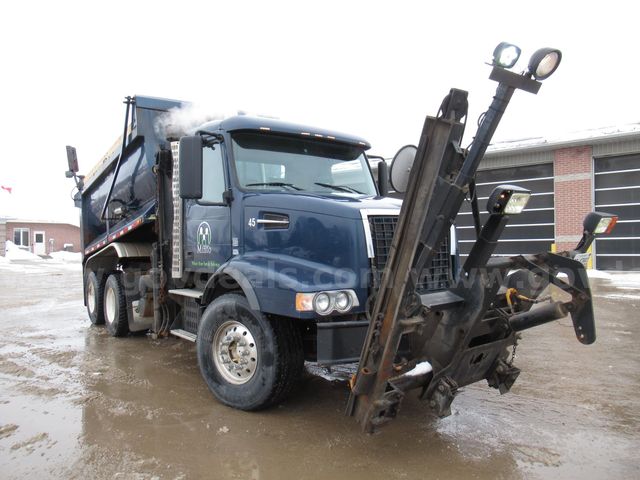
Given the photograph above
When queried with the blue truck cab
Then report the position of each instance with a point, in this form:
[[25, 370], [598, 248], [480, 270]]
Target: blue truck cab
[[260, 240]]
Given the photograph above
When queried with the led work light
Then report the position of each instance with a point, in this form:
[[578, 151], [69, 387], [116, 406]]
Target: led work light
[[508, 200], [506, 55], [596, 223]]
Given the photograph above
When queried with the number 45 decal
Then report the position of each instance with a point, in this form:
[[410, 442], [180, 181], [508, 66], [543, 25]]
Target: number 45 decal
[[252, 222]]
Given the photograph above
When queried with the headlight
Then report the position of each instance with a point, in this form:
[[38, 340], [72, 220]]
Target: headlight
[[324, 303], [343, 301]]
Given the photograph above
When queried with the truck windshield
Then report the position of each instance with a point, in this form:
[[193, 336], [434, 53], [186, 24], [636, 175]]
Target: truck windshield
[[281, 163]]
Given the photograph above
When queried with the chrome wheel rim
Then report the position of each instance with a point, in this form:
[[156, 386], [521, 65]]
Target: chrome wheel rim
[[91, 298], [110, 305], [235, 353]]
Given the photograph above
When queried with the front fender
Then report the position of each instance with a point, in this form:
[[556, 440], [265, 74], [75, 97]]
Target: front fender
[[271, 281], [237, 274]]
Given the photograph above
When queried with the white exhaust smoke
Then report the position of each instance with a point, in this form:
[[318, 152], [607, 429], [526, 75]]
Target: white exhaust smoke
[[185, 120], [178, 122]]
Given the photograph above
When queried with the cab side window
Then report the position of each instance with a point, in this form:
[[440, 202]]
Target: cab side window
[[213, 185]]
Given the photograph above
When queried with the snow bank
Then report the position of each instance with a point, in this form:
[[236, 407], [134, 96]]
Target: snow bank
[[15, 253], [66, 256], [4, 260]]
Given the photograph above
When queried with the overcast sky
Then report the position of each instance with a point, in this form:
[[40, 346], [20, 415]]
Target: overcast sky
[[374, 69]]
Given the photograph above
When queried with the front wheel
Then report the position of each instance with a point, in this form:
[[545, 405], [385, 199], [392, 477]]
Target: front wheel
[[248, 361]]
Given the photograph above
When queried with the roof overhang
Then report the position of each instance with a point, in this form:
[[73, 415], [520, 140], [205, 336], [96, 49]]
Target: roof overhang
[[588, 137]]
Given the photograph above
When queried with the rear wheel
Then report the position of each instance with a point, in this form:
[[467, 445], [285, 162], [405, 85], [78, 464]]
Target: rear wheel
[[115, 307], [248, 361], [94, 290]]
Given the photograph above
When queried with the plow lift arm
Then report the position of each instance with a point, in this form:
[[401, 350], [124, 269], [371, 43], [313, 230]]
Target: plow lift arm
[[462, 335]]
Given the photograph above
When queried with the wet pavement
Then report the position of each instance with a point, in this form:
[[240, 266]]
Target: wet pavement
[[75, 403]]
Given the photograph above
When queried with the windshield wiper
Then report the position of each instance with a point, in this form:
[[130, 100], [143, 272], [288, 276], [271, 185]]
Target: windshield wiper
[[273, 184], [340, 188]]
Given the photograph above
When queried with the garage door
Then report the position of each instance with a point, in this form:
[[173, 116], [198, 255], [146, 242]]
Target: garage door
[[530, 232], [617, 190]]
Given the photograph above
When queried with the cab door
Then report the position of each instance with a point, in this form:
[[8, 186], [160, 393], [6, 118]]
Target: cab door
[[207, 226]]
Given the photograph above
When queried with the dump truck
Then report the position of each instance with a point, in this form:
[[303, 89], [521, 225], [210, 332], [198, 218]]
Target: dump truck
[[269, 244]]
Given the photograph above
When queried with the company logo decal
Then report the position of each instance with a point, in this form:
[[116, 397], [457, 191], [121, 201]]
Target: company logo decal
[[203, 238]]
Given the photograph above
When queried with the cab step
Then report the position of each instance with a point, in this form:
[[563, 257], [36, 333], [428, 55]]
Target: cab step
[[178, 332], [187, 292]]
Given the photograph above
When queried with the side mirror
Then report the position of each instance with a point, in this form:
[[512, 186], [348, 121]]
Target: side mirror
[[383, 178], [72, 159], [595, 223], [401, 167], [190, 164]]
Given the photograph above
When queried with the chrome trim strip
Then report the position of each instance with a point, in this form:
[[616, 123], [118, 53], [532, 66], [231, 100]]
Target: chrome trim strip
[[453, 242], [364, 213], [187, 292], [272, 222]]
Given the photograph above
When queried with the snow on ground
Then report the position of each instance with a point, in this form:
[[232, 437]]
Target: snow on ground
[[37, 267], [629, 280], [598, 274], [66, 256], [14, 252], [18, 260], [618, 279], [626, 296]]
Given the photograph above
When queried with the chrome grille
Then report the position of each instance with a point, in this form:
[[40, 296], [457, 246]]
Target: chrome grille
[[436, 277]]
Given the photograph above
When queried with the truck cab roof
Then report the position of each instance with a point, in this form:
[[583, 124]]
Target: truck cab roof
[[266, 124]]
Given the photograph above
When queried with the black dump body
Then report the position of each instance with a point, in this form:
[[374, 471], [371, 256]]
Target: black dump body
[[133, 197]]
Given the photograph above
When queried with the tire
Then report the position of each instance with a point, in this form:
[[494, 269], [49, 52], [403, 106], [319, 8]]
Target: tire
[[115, 307], [272, 350], [93, 294]]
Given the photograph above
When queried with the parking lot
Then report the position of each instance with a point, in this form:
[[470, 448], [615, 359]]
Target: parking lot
[[76, 403]]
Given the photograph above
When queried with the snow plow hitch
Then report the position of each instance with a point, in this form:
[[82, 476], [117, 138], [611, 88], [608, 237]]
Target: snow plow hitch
[[443, 340]]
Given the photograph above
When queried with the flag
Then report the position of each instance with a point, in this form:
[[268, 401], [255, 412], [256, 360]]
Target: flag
[[8, 189]]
